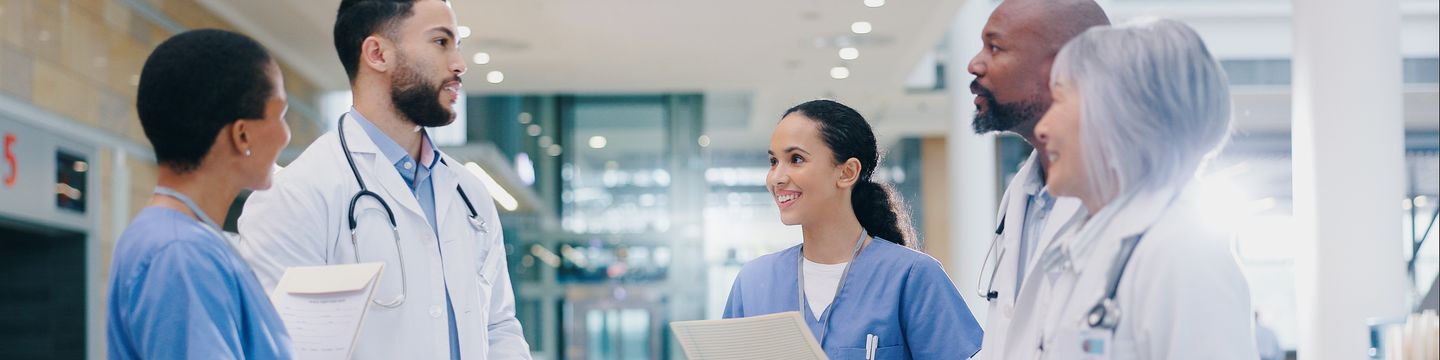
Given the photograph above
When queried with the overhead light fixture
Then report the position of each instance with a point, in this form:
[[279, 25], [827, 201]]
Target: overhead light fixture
[[481, 58], [861, 27], [533, 129], [495, 76], [554, 150], [874, 3], [502, 197], [465, 30], [704, 140], [849, 53], [839, 72], [598, 142]]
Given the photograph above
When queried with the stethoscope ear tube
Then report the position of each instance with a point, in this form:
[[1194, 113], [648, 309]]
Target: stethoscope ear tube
[[389, 214]]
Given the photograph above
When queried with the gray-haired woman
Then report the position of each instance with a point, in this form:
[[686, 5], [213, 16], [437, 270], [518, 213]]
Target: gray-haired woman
[[1137, 109]]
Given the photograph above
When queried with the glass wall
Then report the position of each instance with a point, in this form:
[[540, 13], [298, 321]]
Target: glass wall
[[644, 221]]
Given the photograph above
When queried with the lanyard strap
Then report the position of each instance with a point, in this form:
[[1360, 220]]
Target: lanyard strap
[[210, 224], [800, 283]]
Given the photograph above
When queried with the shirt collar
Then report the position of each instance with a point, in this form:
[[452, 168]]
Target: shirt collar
[[1035, 179], [390, 148]]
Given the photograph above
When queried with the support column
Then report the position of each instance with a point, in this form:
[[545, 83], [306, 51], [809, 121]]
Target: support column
[[971, 161], [1349, 174]]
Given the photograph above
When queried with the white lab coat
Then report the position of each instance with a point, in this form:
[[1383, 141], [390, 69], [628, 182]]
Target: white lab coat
[[1012, 214], [302, 220], [1182, 296]]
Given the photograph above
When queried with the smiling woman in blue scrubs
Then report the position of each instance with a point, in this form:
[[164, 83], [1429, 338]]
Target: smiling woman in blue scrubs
[[852, 276], [213, 105]]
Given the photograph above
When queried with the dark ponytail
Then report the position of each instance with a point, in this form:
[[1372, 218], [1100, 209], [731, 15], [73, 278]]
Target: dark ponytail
[[880, 210]]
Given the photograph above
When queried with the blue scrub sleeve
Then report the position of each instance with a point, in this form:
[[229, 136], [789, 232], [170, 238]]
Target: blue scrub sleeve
[[938, 324], [184, 306], [733, 307]]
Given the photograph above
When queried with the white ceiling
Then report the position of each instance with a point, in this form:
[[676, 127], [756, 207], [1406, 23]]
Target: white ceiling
[[779, 52]]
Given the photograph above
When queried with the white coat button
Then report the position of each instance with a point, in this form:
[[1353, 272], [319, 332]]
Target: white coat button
[[409, 165], [1009, 311], [436, 311]]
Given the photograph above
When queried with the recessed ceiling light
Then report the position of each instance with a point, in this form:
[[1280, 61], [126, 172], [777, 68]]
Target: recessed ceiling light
[[495, 76], [874, 3], [849, 53], [481, 58], [839, 72], [597, 142], [465, 30], [861, 27]]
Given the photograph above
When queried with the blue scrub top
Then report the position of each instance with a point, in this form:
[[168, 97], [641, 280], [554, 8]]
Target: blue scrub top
[[178, 291], [899, 294]]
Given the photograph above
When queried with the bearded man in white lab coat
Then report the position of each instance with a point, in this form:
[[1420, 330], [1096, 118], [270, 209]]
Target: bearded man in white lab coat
[[445, 291], [1012, 91]]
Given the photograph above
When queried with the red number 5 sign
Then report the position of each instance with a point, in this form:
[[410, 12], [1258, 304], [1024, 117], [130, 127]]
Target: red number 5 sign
[[13, 168]]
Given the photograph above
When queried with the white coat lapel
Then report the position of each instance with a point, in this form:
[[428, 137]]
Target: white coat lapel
[[1064, 210], [1010, 240], [444, 178]]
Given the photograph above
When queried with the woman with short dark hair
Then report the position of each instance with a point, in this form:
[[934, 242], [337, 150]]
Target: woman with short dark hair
[[212, 104]]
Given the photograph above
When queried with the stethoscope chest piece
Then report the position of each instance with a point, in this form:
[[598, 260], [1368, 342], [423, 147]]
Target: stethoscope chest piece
[[1105, 315], [479, 225]]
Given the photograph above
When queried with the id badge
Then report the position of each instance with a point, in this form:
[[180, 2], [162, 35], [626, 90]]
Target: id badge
[[1087, 344]]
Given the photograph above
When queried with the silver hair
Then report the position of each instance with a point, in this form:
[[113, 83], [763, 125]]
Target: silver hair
[[1154, 104]]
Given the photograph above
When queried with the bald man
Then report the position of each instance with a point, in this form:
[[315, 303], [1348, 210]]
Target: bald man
[[1012, 91]]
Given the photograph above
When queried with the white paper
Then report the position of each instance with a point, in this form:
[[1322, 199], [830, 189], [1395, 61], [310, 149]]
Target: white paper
[[323, 306], [775, 336]]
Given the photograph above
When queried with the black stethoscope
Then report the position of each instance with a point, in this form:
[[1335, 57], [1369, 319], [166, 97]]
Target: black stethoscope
[[988, 291], [475, 220], [1106, 313]]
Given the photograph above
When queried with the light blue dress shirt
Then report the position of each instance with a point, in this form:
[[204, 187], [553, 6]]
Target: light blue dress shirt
[[179, 291], [1038, 203], [417, 177]]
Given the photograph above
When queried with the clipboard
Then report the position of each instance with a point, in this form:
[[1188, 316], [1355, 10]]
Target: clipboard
[[324, 306], [779, 336]]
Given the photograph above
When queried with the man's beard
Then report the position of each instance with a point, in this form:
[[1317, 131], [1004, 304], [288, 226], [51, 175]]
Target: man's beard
[[1003, 117], [417, 99]]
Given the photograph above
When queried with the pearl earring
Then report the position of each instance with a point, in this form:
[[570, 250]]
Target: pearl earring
[[247, 152]]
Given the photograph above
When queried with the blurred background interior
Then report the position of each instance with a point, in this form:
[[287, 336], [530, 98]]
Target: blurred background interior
[[625, 143]]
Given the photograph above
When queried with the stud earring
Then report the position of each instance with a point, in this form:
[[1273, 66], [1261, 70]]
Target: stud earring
[[247, 152]]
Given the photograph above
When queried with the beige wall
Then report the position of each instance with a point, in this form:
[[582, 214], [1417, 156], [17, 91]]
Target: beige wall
[[80, 60], [936, 187]]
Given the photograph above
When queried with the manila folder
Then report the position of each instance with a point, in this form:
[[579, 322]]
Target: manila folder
[[323, 306], [774, 336]]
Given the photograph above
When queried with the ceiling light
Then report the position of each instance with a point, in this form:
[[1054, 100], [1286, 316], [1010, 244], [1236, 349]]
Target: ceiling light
[[704, 140], [839, 72], [874, 3], [554, 150], [597, 142], [849, 53], [481, 58], [495, 76], [861, 27], [533, 130], [497, 192], [465, 30]]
